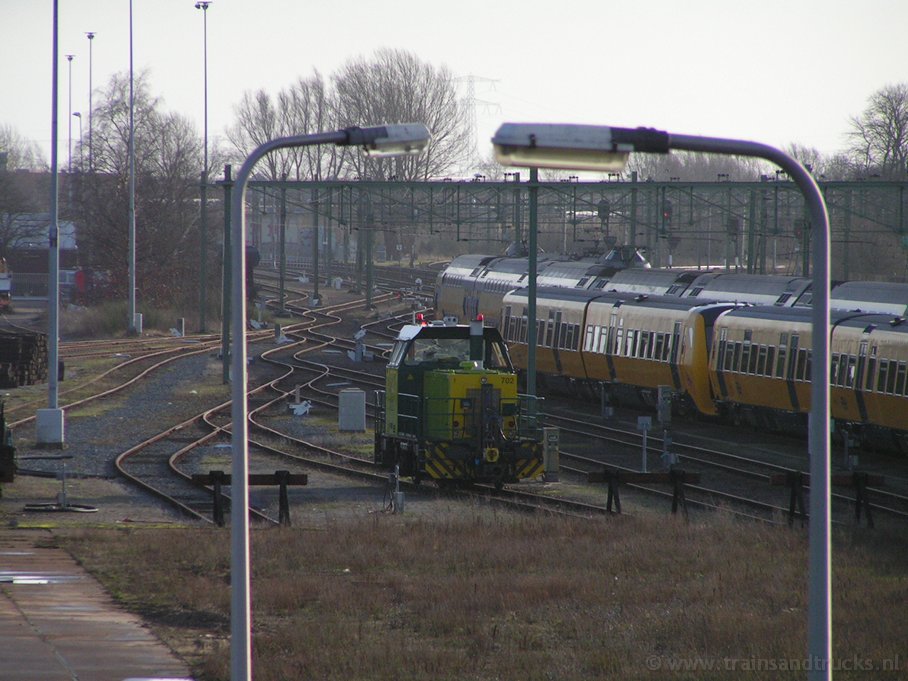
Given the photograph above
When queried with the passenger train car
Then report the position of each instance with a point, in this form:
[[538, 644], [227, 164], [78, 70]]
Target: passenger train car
[[728, 345]]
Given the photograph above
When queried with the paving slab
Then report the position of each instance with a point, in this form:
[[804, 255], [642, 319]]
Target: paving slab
[[58, 623]]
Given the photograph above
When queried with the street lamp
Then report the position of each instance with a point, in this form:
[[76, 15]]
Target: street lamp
[[78, 114], [203, 227], [603, 148], [131, 326], [389, 140], [91, 37], [69, 58], [49, 422]]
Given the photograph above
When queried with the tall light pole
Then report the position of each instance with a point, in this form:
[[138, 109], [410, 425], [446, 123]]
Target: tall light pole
[[69, 58], [91, 37], [78, 114], [602, 148], [382, 141], [49, 421], [203, 230], [131, 248]]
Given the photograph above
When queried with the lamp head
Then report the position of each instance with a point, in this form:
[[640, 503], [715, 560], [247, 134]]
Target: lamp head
[[390, 140], [569, 147], [90, 35]]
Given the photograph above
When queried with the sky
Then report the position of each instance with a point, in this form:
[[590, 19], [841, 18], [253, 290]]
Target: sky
[[771, 71]]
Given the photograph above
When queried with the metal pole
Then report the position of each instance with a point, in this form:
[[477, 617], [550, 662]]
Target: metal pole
[[240, 607], [282, 263], [53, 247], [819, 617], [531, 292], [225, 290], [69, 166], [203, 231], [131, 249], [315, 239], [91, 38]]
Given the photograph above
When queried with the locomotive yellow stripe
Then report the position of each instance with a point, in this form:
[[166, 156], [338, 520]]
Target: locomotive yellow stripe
[[438, 465], [529, 468]]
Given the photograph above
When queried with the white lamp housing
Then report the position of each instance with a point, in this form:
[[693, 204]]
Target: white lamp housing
[[391, 140], [552, 145]]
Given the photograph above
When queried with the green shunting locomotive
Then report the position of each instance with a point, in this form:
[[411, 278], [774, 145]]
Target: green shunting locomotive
[[451, 412]]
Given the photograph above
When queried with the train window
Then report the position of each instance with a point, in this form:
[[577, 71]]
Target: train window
[[761, 361], [605, 345], [770, 355], [631, 343], [802, 368], [540, 332], [735, 356], [696, 292], [900, 383], [659, 347], [589, 341], [645, 346], [834, 369], [745, 356], [886, 383], [524, 325], [783, 299], [850, 371], [871, 367], [582, 282], [619, 338]]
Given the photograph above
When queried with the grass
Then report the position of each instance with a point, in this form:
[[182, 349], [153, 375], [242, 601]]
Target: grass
[[486, 595]]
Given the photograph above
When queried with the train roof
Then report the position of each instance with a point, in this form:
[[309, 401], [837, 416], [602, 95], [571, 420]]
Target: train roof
[[805, 315], [871, 296], [651, 281], [760, 289], [574, 272], [469, 262], [555, 293]]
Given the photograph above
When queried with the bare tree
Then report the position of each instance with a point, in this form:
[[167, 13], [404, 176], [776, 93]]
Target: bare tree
[[693, 167], [879, 136], [19, 191], [18, 153], [168, 157], [395, 86]]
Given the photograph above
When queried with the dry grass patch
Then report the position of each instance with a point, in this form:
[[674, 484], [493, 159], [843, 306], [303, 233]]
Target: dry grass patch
[[481, 595]]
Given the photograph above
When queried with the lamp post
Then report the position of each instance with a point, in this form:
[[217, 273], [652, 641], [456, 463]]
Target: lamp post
[[131, 248], [69, 58], [78, 114], [49, 422], [91, 37], [203, 228], [606, 149], [379, 141]]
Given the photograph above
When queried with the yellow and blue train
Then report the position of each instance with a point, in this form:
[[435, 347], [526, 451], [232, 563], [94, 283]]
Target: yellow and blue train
[[451, 412], [730, 345]]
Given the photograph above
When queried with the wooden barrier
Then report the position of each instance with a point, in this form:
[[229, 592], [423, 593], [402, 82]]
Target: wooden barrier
[[796, 481], [282, 478], [676, 477]]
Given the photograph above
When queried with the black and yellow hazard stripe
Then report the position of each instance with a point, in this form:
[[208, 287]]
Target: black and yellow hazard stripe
[[528, 469], [439, 465]]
